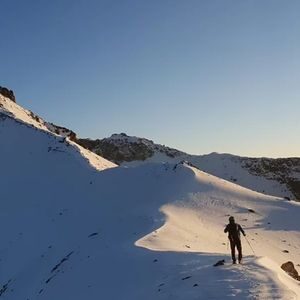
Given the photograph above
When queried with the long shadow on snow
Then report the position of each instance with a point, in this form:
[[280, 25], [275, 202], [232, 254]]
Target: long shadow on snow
[[174, 275], [188, 276]]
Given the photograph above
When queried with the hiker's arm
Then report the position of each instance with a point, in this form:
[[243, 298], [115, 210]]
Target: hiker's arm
[[241, 229], [226, 229]]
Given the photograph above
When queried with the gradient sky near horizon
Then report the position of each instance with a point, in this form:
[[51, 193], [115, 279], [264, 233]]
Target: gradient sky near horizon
[[201, 76]]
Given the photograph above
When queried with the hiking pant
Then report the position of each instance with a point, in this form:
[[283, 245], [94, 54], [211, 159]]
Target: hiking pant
[[236, 243]]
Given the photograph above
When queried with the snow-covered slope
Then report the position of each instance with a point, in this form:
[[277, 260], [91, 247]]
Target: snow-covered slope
[[152, 231], [149, 232], [13, 115], [278, 177], [68, 232], [265, 178], [14, 110], [11, 108]]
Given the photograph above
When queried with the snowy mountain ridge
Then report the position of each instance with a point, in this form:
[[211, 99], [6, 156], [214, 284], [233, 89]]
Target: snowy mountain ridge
[[278, 177], [10, 110]]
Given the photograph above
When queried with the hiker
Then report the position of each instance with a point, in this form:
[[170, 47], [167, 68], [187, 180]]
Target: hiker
[[234, 237]]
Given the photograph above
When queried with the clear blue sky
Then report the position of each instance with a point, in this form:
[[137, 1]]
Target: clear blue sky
[[198, 75]]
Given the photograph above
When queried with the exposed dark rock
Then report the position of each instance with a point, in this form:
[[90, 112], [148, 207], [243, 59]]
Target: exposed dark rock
[[219, 263], [7, 93], [4, 288], [63, 131], [62, 261], [289, 268], [93, 234], [49, 279], [282, 170], [121, 148]]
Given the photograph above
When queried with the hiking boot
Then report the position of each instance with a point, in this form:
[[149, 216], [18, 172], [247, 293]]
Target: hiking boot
[[234, 262]]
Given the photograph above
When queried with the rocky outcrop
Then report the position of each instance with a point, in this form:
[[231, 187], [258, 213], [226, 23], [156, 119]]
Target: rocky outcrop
[[289, 268], [283, 170], [123, 148], [63, 131], [7, 93]]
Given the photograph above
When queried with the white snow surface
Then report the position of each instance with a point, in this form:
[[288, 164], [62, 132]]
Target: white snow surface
[[69, 231], [11, 108]]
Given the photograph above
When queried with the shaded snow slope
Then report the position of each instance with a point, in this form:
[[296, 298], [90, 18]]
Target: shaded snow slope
[[71, 232]]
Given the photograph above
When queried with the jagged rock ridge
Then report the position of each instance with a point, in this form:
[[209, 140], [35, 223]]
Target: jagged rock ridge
[[123, 148], [283, 170]]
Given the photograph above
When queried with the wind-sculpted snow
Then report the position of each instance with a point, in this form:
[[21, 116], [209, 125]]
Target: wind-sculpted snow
[[71, 232]]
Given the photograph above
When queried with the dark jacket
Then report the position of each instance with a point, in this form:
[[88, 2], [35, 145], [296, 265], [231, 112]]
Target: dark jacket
[[234, 230]]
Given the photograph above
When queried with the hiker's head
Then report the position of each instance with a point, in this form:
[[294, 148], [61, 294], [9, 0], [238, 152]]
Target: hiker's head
[[231, 219]]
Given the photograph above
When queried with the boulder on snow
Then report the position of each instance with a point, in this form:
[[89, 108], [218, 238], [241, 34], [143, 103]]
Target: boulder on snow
[[7, 93], [289, 268]]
